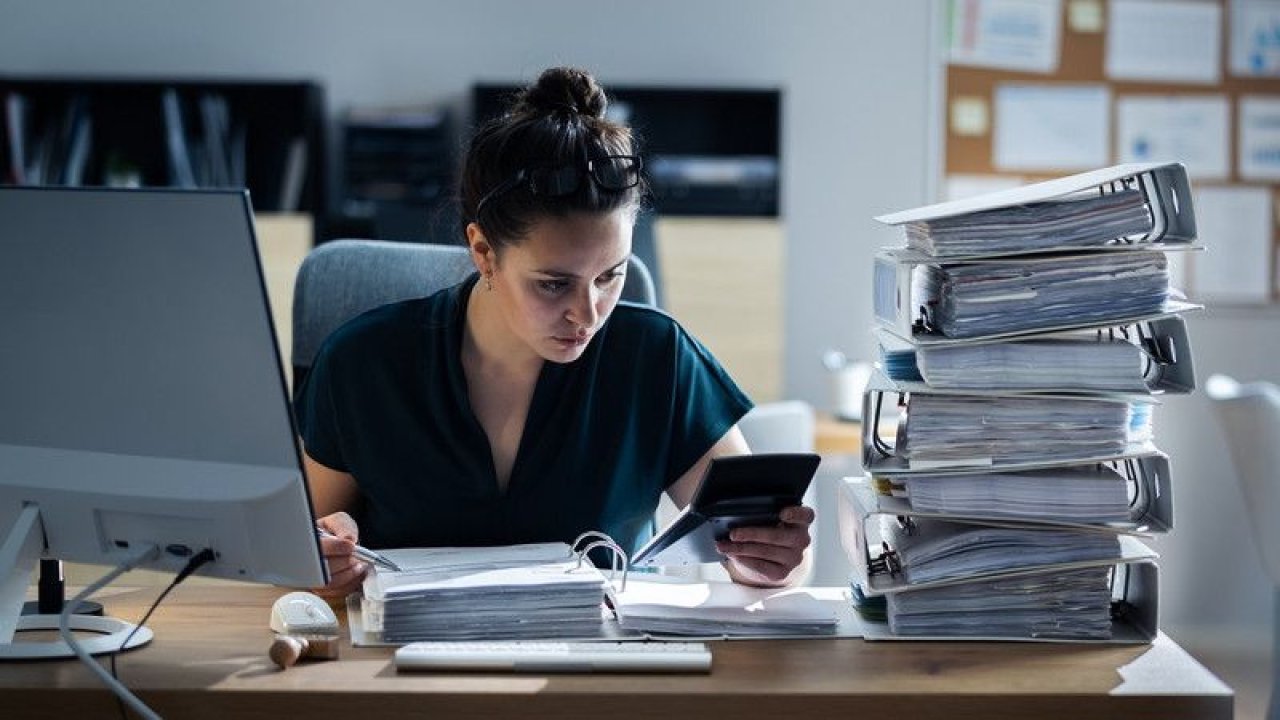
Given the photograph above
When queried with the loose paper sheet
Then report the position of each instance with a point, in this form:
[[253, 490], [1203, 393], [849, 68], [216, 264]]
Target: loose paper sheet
[[1259, 149], [1235, 224], [1167, 41], [1009, 34], [1255, 38], [1049, 128], [1193, 130]]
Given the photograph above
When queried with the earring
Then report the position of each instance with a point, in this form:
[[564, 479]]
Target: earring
[[488, 283]]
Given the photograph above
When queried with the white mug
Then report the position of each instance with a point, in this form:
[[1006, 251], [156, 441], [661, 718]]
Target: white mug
[[848, 382]]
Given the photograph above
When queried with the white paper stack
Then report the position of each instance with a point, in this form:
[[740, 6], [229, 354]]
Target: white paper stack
[[1092, 493], [719, 609], [936, 550], [1071, 604], [964, 430], [502, 593], [975, 299], [1084, 362], [1076, 221]]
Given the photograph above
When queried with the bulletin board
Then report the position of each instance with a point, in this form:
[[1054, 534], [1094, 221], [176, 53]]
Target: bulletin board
[[1082, 61]]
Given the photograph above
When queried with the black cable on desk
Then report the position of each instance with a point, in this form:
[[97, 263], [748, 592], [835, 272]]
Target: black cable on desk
[[199, 559]]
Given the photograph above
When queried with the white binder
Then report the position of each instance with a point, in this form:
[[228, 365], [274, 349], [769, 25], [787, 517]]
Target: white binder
[[1163, 186]]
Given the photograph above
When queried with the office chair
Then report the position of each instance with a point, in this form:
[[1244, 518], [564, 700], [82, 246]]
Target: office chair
[[1249, 415], [343, 278]]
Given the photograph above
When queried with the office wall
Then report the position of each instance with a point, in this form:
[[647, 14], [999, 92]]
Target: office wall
[[857, 142], [854, 76]]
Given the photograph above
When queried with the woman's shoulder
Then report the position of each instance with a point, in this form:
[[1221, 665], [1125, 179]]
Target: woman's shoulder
[[643, 327], [392, 325], [643, 320]]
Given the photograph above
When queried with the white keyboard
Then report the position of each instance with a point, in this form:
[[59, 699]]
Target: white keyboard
[[556, 657]]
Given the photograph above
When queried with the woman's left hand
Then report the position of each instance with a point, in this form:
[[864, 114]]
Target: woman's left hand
[[766, 556]]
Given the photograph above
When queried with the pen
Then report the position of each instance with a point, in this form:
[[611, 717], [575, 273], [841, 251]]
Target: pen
[[364, 553]]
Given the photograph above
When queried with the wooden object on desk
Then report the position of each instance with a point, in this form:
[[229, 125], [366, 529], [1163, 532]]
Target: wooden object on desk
[[284, 239], [833, 436], [723, 280], [208, 660]]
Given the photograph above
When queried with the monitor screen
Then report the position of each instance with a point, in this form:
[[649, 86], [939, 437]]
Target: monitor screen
[[142, 400]]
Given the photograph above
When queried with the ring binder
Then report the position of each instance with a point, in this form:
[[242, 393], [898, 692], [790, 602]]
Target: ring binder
[[600, 539], [1147, 500], [1164, 190], [881, 456], [886, 562], [917, 295]]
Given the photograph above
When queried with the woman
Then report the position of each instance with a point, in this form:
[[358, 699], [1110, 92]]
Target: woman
[[526, 404]]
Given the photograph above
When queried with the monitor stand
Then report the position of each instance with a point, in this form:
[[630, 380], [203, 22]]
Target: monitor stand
[[20, 549]]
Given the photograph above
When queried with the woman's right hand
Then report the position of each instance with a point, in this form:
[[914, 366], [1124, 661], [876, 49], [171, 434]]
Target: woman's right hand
[[346, 571]]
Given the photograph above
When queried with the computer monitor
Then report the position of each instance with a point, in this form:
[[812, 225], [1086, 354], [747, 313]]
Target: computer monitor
[[142, 398]]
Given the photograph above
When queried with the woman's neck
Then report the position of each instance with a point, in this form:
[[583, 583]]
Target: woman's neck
[[488, 344]]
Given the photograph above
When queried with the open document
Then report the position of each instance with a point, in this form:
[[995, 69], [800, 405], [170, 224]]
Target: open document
[[719, 609]]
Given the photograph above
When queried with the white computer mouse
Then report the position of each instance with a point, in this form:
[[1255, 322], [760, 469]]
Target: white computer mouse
[[299, 613]]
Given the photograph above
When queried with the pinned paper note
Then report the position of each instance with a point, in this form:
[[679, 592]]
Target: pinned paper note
[[1085, 16], [970, 116], [1194, 130], [1009, 34], [1255, 38], [1165, 41], [1236, 223], [1259, 153], [1052, 127]]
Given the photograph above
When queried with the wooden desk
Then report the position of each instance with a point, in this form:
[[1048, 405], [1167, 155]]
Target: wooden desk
[[208, 660]]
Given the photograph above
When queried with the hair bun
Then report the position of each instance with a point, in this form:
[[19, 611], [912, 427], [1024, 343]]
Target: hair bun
[[563, 90]]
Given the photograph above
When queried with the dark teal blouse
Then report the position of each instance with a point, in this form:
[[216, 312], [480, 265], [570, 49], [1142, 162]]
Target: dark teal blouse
[[386, 400]]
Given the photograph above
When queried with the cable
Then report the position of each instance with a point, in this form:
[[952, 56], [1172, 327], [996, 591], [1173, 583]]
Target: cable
[[196, 561], [149, 552]]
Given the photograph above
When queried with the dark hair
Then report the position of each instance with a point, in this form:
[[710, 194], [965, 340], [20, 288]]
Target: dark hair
[[559, 120]]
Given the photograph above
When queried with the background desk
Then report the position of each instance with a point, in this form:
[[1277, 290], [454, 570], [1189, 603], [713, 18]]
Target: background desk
[[208, 660]]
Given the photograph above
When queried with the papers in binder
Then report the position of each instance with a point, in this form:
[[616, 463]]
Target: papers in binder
[[908, 554], [1079, 221], [929, 301], [1124, 495], [918, 432], [1050, 606], [966, 430], [1117, 208], [954, 579], [1147, 357], [1089, 493], [936, 551], [507, 593], [997, 297], [1073, 604]]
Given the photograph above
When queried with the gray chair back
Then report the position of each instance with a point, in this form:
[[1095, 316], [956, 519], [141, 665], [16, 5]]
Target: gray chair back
[[341, 279]]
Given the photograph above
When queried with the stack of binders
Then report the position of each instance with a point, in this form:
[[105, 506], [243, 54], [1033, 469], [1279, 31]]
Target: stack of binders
[[1011, 470]]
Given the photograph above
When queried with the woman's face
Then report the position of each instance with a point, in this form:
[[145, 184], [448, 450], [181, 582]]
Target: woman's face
[[556, 288]]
